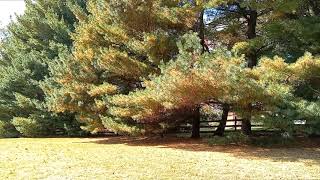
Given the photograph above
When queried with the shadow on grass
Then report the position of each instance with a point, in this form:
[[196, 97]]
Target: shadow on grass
[[304, 149]]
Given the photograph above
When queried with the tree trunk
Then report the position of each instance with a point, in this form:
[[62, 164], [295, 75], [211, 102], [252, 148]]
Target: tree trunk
[[251, 34], [252, 59], [246, 126], [222, 126], [196, 123], [200, 28], [202, 32], [246, 122]]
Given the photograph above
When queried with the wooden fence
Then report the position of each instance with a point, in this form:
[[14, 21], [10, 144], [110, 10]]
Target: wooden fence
[[233, 124]]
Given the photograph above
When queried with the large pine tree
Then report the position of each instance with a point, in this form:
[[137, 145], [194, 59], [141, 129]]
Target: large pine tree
[[116, 47], [245, 27], [263, 28], [122, 43], [37, 38]]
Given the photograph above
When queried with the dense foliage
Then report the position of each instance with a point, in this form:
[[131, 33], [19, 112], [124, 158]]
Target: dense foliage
[[140, 67], [35, 40], [113, 52]]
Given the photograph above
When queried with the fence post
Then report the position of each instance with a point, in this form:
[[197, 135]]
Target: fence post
[[235, 123]]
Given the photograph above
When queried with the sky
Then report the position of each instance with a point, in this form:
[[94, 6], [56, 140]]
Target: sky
[[8, 8]]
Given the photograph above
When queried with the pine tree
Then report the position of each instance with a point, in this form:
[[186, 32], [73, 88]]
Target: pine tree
[[264, 28], [193, 79], [122, 43], [36, 39], [118, 45]]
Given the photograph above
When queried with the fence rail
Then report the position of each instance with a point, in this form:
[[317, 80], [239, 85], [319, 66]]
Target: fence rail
[[233, 124]]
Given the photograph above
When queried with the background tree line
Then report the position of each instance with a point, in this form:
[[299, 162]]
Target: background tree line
[[142, 67]]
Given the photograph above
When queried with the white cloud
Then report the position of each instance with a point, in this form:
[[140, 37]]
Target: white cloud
[[8, 9]]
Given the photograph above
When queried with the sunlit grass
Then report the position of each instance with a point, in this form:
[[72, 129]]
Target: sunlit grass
[[127, 158]]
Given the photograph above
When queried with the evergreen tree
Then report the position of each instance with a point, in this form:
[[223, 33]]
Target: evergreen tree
[[193, 79], [35, 40], [263, 28], [118, 45], [144, 66], [122, 43]]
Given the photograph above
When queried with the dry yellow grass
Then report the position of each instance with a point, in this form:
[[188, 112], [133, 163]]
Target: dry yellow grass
[[128, 158]]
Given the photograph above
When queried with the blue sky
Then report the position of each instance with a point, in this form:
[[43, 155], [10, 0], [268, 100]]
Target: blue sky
[[8, 8]]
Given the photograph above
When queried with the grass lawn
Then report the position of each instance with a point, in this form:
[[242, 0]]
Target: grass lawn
[[140, 158]]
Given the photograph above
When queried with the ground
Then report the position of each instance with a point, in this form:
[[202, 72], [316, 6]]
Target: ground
[[145, 158]]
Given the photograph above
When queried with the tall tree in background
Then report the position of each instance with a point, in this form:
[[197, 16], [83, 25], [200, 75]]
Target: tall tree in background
[[36, 39]]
